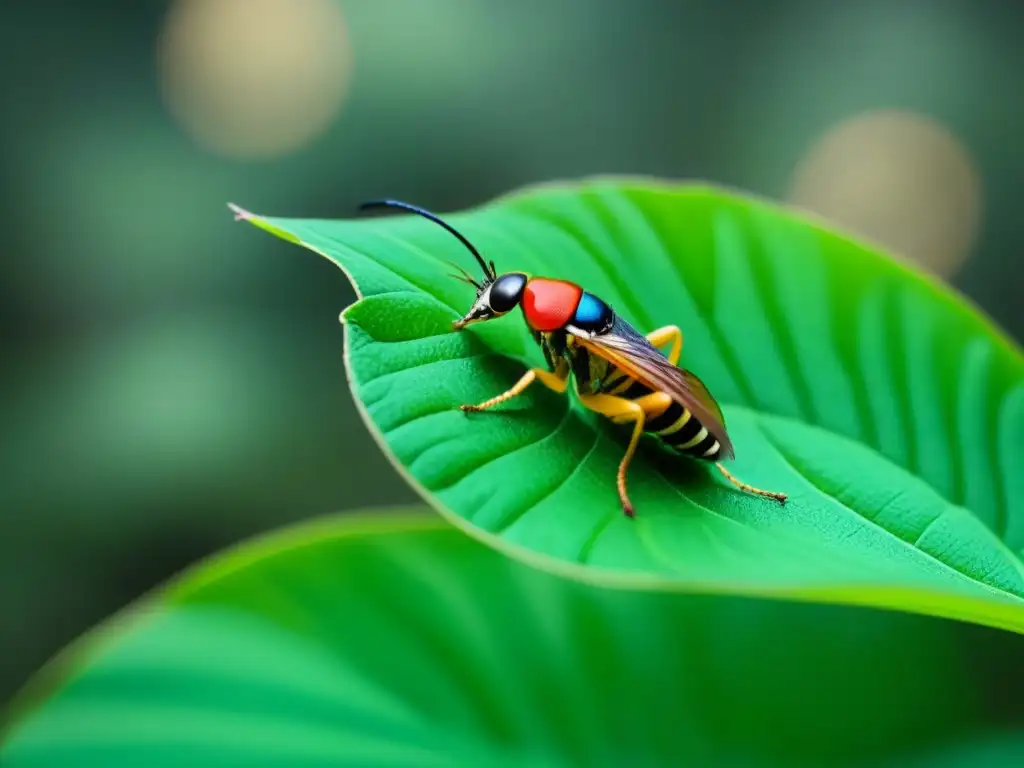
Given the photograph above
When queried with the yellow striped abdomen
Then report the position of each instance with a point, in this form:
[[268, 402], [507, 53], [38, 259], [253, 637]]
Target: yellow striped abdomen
[[676, 426]]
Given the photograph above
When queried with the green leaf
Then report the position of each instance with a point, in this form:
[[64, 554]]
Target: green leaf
[[890, 411], [397, 640]]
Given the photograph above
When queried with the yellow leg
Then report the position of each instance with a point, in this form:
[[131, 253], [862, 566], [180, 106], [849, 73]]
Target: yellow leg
[[653, 405], [663, 336], [622, 411], [779, 497], [547, 378]]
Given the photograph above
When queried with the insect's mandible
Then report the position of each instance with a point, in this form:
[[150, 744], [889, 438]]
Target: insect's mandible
[[619, 372]]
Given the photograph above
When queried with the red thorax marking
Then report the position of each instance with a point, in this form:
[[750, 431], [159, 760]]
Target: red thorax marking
[[550, 304]]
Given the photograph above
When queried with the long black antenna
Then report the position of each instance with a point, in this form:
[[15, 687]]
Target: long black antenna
[[489, 272]]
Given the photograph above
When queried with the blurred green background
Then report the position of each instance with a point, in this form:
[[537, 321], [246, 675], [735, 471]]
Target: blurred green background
[[173, 382]]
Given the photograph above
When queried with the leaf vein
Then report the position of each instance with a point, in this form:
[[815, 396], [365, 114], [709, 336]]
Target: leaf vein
[[782, 332], [428, 364], [729, 358], [780, 451], [491, 459]]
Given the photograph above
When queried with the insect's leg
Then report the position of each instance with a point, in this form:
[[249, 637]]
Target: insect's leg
[[666, 334], [622, 411], [547, 378], [779, 497], [654, 404]]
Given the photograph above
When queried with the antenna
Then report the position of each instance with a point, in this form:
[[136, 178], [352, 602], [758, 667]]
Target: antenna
[[489, 272]]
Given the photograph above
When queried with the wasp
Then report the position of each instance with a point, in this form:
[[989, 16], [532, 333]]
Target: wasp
[[619, 373]]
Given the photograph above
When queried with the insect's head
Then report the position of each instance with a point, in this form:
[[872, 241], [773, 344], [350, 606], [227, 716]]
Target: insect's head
[[496, 294]]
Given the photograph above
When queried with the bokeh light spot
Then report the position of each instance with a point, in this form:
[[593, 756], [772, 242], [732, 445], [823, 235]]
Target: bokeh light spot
[[898, 178], [255, 78]]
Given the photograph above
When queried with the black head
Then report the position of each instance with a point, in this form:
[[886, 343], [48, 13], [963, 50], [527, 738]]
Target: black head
[[495, 298], [495, 294]]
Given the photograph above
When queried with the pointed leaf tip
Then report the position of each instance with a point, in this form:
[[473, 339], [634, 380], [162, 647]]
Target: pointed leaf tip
[[240, 213], [243, 215]]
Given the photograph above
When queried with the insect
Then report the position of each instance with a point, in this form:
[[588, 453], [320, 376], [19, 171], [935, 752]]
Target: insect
[[619, 372]]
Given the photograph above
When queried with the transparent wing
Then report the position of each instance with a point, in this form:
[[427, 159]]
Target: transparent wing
[[630, 350]]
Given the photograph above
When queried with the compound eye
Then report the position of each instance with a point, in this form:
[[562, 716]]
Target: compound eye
[[506, 292]]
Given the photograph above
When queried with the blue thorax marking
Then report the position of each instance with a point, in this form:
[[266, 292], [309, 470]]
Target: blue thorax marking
[[590, 310]]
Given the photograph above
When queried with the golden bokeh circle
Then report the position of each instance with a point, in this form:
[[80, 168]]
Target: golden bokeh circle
[[899, 178], [254, 78]]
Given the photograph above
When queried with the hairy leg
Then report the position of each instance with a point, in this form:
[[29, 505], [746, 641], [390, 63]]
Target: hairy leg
[[779, 497], [622, 411], [547, 378]]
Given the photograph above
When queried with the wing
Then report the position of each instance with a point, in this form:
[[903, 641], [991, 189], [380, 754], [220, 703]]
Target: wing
[[630, 350]]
